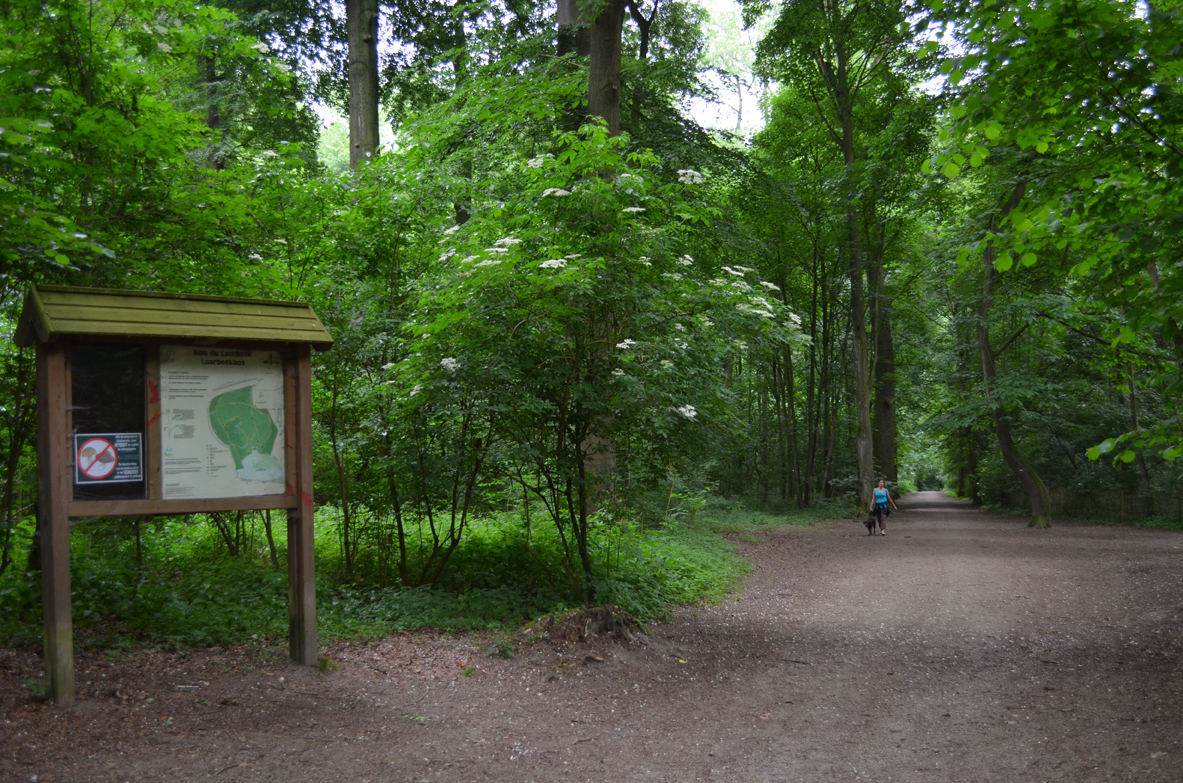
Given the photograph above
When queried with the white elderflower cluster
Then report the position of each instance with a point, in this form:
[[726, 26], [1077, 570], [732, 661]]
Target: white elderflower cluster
[[452, 230], [449, 364], [645, 260], [490, 262], [618, 372], [624, 346], [735, 272], [507, 242], [556, 192], [633, 209], [444, 256], [744, 307], [687, 411], [689, 177], [686, 261], [255, 257], [679, 327], [796, 319], [554, 263], [538, 162], [666, 364], [418, 388], [671, 275], [770, 286]]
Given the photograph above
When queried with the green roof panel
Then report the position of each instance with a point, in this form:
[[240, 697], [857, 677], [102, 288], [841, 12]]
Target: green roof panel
[[53, 311]]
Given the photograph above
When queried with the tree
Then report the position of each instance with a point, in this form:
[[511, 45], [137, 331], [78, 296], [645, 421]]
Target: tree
[[362, 16]]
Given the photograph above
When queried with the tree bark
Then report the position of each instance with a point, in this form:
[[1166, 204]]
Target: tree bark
[[885, 385], [574, 36], [362, 21], [603, 94], [858, 328], [1032, 483], [834, 73]]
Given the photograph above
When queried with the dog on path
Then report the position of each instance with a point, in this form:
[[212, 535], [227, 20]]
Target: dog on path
[[870, 523]]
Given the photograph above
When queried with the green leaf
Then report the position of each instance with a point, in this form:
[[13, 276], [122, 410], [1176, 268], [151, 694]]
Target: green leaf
[[1128, 456], [1094, 453], [1029, 259], [1041, 147], [1004, 262], [950, 169], [993, 130]]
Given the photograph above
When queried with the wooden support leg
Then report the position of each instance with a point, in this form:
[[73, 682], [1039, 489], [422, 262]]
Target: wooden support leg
[[55, 606], [54, 494], [301, 561], [301, 587]]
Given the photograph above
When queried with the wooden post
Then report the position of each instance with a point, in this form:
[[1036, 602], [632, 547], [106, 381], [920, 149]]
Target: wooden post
[[53, 466], [301, 565]]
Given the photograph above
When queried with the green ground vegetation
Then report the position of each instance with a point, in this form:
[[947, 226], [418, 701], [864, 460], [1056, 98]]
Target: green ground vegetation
[[175, 584]]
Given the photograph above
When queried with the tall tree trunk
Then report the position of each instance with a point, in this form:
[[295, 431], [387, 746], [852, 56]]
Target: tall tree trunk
[[885, 386], [574, 35], [858, 328], [835, 76], [1032, 483], [812, 416], [603, 94], [362, 21]]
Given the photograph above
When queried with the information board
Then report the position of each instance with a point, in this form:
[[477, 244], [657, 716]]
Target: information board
[[221, 422]]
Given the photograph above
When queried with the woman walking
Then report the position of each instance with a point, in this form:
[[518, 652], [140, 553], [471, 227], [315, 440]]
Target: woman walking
[[881, 510]]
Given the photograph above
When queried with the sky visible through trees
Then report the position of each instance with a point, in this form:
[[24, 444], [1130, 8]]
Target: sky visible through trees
[[590, 266]]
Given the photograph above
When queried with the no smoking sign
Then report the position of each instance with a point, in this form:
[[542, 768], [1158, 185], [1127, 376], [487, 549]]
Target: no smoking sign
[[108, 458]]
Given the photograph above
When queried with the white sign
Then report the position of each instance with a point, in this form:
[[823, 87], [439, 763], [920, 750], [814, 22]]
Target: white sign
[[221, 422]]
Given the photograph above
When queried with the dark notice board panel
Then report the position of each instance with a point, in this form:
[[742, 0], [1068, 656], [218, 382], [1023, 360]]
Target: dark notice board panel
[[107, 396]]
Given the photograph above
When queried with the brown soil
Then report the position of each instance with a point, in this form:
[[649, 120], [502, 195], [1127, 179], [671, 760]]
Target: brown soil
[[960, 647]]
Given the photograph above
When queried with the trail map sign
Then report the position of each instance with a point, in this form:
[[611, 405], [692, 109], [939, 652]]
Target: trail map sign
[[222, 422], [158, 404]]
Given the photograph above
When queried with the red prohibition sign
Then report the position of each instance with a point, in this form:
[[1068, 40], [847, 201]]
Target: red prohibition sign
[[97, 458]]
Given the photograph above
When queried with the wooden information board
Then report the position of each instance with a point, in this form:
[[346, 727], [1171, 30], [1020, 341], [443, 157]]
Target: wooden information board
[[157, 404]]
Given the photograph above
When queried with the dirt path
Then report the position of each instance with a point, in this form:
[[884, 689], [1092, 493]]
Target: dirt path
[[960, 647]]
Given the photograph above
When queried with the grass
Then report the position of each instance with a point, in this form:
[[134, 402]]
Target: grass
[[183, 591]]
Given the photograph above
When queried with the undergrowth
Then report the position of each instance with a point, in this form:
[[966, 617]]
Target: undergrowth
[[181, 589]]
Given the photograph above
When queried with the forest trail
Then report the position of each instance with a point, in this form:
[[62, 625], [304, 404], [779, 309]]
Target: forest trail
[[962, 646]]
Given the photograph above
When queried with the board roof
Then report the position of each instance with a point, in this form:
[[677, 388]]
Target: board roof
[[52, 311]]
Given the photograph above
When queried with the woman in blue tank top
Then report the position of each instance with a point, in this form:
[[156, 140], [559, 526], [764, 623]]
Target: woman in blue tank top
[[880, 509]]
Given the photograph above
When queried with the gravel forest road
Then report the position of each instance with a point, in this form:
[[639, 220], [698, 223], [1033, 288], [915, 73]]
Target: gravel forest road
[[961, 646]]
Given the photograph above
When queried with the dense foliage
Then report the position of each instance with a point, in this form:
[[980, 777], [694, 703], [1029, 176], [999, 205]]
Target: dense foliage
[[949, 255]]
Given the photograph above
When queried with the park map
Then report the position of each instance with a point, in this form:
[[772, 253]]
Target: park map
[[221, 422]]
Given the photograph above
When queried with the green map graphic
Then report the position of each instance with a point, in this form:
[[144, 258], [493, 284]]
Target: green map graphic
[[241, 426]]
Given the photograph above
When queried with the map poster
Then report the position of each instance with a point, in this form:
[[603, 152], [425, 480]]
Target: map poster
[[221, 422]]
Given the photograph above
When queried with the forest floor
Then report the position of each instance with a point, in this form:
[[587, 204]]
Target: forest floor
[[962, 646]]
